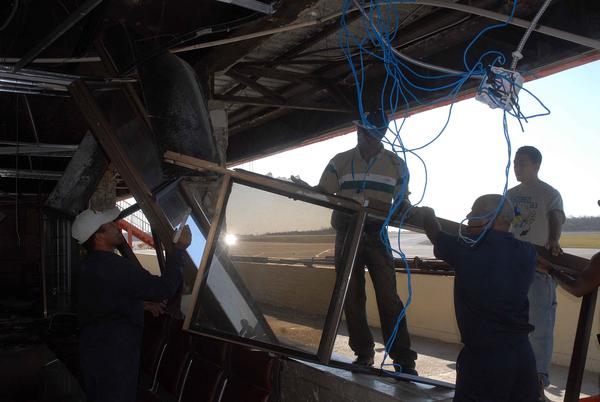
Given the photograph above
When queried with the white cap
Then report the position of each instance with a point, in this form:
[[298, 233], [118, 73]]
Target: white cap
[[87, 222]]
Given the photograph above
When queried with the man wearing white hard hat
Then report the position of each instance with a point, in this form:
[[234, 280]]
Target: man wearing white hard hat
[[112, 290]]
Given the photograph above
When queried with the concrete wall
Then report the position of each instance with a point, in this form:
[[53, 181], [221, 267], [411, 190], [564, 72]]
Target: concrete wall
[[148, 260], [431, 313]]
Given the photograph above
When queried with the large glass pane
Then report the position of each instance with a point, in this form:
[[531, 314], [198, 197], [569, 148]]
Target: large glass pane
[[196, 249], [272, 275], [174, 207]]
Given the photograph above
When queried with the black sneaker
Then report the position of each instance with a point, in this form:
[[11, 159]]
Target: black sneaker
[[405, 370], [365, 361]]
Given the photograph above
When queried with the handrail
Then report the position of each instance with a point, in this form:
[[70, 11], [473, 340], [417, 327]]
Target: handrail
[[139, 223]]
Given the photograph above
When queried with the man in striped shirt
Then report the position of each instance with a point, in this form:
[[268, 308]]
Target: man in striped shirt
[[373, 176]]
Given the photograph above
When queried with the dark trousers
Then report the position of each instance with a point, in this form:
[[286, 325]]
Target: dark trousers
[[496, 373], [375, 257], [110, 364]]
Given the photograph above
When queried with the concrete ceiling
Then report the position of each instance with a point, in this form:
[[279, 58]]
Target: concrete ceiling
[[286, 83]]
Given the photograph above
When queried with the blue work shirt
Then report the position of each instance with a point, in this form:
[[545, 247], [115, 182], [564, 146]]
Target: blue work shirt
[[490, 286], [112, 290]]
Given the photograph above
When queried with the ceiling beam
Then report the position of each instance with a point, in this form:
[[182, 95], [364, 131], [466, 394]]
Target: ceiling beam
[[299, 78], [67, 24], [333, 27], [37, 151], [283, 75], [410, 35], [251, 83], [328, 72], [30, 174], [223, 57], [288, 104]]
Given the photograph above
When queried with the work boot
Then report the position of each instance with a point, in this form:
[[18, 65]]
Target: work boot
[[365, 361]]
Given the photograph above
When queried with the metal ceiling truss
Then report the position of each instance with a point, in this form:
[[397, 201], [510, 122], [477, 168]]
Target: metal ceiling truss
[[449, 23], [40, 82], [67, 24], [110, 143]]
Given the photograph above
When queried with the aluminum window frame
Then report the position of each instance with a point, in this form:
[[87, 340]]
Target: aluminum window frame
[[293, 191]]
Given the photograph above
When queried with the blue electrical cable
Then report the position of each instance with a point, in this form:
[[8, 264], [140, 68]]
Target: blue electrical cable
[[397, 92]]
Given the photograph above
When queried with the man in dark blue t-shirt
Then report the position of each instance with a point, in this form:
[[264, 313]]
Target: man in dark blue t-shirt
[[492, 278], [112, 290]]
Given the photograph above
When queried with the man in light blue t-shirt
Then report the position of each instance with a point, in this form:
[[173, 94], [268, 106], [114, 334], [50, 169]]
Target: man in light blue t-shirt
[[539, 218]]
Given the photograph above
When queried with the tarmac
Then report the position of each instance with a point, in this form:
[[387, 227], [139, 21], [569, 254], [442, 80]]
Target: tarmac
[[437, 361]]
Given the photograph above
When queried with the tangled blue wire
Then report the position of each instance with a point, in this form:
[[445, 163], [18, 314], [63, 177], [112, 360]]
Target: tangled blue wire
[[380, 23]]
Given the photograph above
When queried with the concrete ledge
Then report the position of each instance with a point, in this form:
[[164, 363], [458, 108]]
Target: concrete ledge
[[307, 382]]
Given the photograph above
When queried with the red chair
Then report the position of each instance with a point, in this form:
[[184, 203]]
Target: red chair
[[172, 366], [205, 378], [203, 381], [251, 376]]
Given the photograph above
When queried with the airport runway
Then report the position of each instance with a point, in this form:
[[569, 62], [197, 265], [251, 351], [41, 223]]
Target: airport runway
[[303, 246], [413, 244]]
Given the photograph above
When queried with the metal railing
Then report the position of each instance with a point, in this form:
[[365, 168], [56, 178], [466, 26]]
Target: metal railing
[[137, 219]]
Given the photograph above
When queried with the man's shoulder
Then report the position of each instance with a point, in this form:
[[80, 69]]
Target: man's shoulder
[[391, 155], [106, 261], [547, 188], [521, 249], [517, 190], [343, 156], [392, 158], [514, 189], [523, 244], [539, 187]]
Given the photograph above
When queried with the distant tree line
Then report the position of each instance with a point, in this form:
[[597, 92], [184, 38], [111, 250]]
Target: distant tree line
[[582, 224]]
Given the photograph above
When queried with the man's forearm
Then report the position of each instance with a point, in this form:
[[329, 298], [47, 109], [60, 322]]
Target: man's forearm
[[555, 220], [431, 225], [174, 269]]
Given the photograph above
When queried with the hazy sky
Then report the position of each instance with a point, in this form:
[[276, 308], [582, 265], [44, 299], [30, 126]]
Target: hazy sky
[[469, 158]]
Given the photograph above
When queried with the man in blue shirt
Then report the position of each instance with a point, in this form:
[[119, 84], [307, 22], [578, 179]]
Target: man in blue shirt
[[492, 278], [112, 290]]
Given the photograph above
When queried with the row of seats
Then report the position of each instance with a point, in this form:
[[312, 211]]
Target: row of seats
[[182, 367]]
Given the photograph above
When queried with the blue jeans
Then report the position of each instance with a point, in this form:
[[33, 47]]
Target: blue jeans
[[542, 314]]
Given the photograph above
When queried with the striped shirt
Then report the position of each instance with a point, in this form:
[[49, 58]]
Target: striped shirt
[[349, 175]]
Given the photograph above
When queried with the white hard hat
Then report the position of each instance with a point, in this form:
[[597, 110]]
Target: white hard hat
[[87, 222]]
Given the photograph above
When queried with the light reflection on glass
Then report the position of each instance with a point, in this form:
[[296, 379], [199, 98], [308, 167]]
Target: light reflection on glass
[[272, 276]]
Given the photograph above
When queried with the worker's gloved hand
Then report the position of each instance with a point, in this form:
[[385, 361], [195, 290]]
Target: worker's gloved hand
[[185, 239]]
